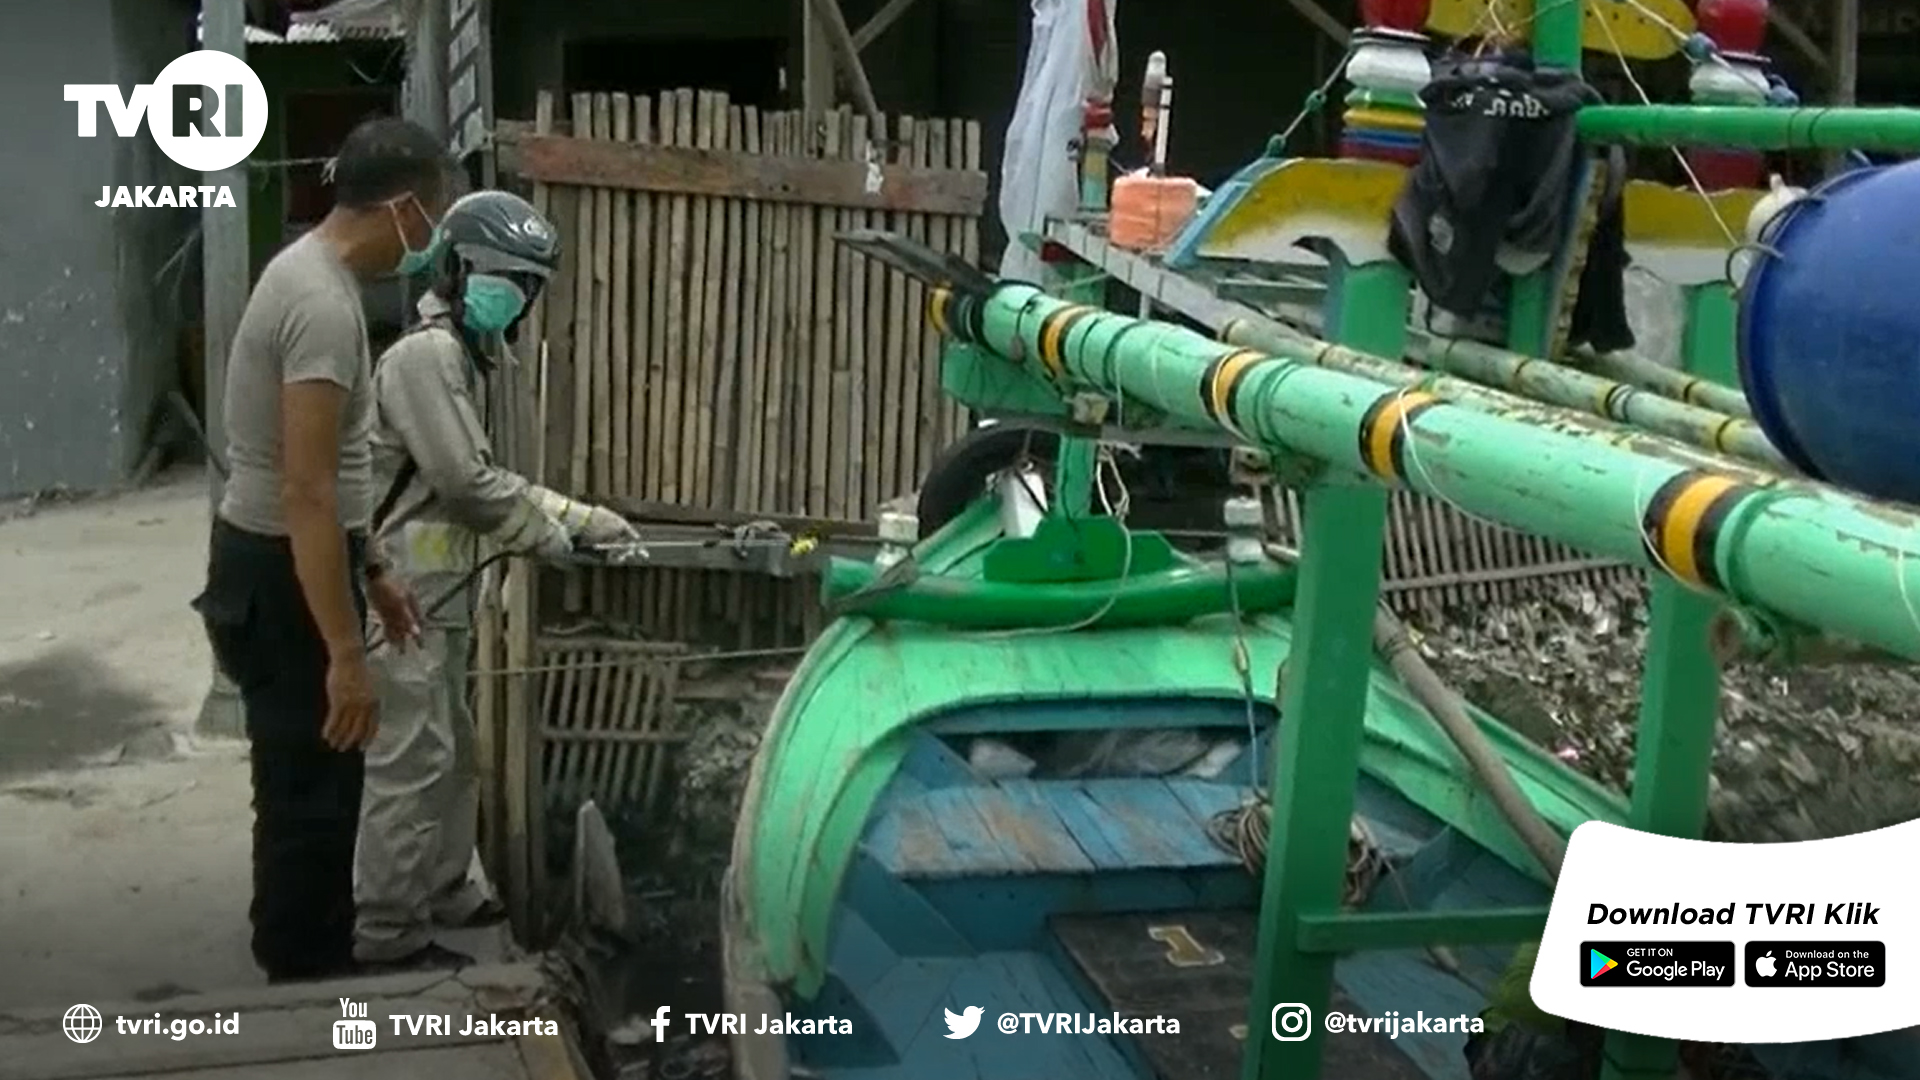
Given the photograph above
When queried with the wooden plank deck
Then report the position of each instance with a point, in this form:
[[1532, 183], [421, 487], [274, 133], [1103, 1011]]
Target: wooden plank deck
[[1050, 826], [1190, 294], [940, 820]]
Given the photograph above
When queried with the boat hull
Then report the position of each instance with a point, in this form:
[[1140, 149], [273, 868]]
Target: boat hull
[[1084, 906], [932, 808]]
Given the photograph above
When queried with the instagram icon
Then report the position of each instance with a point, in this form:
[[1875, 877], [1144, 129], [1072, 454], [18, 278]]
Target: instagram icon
[[1292, 1022]]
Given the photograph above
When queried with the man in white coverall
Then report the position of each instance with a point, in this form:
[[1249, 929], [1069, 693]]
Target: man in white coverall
[[445, 500]]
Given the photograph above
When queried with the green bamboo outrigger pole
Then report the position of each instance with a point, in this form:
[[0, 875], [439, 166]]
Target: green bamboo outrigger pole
[[1813, 556], [1668, 382], [1805, 554], [1509, 382], [1889, 130]]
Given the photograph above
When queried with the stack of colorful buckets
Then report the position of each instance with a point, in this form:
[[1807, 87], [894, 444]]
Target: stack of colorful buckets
[[1387, 71]]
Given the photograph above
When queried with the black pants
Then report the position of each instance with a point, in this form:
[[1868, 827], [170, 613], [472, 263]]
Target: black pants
[[306, 796]]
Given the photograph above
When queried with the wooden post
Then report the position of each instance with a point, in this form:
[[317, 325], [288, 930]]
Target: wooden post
[[846, 54], [816, 63], [1846, 52], [1843, 61], [226, 276], [519, 842], [1799, 39]]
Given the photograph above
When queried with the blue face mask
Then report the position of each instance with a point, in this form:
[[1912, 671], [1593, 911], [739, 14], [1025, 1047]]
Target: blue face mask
[[414, 262], [491, 303]]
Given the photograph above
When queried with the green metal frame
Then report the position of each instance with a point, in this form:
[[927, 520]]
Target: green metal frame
[[1316, 767], [1301, 925], [1303, 928], [1037, 355]]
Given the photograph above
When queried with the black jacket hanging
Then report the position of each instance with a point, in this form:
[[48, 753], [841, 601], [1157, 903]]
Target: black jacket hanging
[[1600, 310], [1497, 169]]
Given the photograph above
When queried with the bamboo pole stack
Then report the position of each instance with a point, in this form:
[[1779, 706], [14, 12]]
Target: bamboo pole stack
[[726, 353]]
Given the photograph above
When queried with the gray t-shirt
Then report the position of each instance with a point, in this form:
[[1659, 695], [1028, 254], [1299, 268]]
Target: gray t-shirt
[[304, 322]]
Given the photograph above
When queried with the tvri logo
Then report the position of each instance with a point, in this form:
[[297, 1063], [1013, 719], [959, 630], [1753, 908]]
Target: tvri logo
[[207, 111]]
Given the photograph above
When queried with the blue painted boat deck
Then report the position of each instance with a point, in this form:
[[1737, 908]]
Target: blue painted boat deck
[[965, 891], [1051, 826]]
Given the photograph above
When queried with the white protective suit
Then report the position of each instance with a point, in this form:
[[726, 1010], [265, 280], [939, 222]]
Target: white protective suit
[[1073, 57], [419, 811]]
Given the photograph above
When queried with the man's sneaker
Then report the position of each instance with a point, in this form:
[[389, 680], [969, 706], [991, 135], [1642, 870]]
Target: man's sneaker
[[433, 957]]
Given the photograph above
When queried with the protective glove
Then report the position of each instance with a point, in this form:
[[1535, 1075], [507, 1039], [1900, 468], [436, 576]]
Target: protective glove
[[553, 540], [603, 526]]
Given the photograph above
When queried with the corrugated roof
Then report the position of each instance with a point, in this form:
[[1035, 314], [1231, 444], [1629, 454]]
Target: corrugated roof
[[318, 33], [343, 20]]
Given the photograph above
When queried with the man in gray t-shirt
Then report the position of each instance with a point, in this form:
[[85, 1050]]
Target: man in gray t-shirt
[[288, 577], [304, 323]]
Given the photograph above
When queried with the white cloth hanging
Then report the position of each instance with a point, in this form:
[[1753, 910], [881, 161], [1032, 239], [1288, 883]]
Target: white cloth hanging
[[1073, 56]]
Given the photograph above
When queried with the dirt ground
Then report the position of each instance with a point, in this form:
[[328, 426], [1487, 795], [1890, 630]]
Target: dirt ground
[[123, 841]]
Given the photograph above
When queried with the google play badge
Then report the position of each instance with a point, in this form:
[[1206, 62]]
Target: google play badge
[[1599, 963]]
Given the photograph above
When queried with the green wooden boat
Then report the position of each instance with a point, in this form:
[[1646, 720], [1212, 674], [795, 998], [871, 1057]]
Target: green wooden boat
[[1002, 816]]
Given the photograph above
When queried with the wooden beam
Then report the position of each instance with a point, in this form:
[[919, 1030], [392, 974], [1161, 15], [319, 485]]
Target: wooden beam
[[1844, 81], [846, 54], [816, 63], [1846, 52], [1800, 40], [727, 174], [881, 22], [1318, 16]]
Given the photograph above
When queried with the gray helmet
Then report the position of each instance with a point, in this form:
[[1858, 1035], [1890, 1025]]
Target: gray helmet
[[496, 232]]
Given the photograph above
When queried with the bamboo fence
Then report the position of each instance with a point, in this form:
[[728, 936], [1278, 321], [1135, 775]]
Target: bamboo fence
[[710, 346]]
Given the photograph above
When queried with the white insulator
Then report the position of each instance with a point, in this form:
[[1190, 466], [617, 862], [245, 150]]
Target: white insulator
[[899, 528], [1022, 503], [1394, 64], [1245, 519], [1243, 512], [1727, 81]]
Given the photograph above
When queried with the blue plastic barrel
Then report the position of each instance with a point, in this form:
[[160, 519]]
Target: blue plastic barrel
[[1829, 332]]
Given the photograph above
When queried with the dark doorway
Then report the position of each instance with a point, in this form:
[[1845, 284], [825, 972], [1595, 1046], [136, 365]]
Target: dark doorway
[[748, 69], [316, 122]]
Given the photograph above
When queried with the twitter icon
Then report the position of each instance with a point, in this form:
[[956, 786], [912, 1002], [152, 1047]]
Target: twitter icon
[[963, 1023]]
